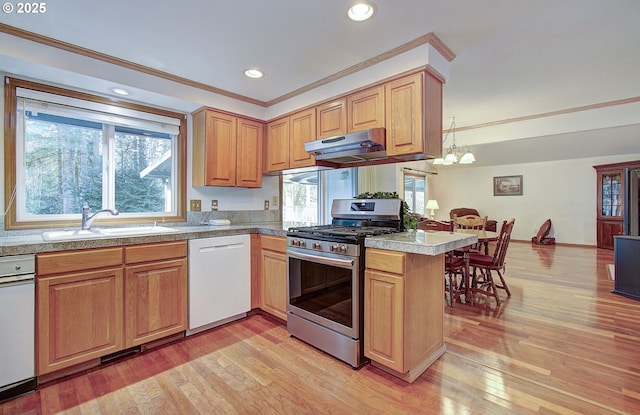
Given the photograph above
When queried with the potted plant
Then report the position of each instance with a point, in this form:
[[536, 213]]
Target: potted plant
[[408, 220]]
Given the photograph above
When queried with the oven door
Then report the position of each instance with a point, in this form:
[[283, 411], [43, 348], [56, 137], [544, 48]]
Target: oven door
[[325, 288]]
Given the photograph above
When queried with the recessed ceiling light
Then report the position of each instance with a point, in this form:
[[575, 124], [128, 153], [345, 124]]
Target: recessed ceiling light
[[120, 91], [361, 10], [254, 73]]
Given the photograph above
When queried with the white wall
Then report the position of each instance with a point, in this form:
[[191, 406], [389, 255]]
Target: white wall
[[563, 191]]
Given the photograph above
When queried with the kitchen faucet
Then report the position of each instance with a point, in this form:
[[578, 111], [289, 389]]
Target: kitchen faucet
[[87, 219]]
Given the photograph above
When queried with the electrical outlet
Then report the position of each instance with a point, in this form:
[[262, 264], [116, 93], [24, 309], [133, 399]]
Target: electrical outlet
[[214, 204], [266, 205], [196, 205], [275, 201]]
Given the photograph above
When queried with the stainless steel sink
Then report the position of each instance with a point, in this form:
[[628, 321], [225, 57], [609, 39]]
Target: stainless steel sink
[[105, 233]]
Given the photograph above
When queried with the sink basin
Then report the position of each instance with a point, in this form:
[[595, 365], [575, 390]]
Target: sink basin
[[68, 235], [137, 230], [105, 233]]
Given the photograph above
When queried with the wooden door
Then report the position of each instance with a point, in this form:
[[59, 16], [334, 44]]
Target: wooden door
[[365, 109], [332, 118], [403, 107], [384, 319], [221, 149], [303, 129], [277, 146], [273, 284], [79, 318], [249, 153], [155, 301]]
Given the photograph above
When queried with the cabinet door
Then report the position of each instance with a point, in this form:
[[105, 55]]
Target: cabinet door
[[365, 109], [155, 301], [404, 115], [384, 318], [80, 317], [610, 194], [332, 118], [249, 153], [277, 146], [273, 284], [221, 149], [303, 129], [606, 230]]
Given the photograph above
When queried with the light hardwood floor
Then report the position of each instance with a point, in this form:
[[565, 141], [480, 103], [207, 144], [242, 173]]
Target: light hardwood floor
[[563, 344]]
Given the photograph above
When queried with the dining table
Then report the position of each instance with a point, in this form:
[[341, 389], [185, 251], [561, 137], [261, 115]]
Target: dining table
[[484, 237]]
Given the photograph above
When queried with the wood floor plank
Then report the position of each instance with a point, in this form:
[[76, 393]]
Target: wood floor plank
[[562, 344]]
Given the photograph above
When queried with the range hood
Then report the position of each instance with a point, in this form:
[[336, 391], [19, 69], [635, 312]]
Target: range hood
[[366, 145]]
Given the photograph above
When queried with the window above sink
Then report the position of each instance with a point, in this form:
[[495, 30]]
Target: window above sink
[[120, 232]]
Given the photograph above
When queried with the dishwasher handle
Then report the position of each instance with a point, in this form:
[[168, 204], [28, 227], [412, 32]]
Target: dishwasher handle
[[13, 279]]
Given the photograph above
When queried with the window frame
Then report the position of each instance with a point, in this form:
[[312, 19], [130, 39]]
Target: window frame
[[415, 175], [10, 159]]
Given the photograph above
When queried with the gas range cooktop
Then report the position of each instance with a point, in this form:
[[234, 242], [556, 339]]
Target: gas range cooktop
[[340, 231]]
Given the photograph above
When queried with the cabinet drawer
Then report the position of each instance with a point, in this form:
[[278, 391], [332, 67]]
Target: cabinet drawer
[[388, 261], [71, 261], [155, 252], [274, 243]]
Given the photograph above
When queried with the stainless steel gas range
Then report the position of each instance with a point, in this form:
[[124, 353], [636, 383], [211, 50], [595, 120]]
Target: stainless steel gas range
[[325, 267]]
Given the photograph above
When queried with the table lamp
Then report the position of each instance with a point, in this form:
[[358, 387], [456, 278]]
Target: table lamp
[[432, 205]]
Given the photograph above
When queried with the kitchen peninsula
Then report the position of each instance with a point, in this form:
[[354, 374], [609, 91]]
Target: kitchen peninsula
[[404, 299], [405, 344]]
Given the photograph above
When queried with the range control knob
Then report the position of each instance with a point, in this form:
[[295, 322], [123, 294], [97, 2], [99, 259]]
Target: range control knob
[[302, 243], [334, 248], [316, 245], [343, 248]]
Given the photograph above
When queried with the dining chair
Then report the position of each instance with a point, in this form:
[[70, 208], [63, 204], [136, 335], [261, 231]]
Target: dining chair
[[473, 222], [483, 282], [455, 268], [435, 225], [470, 222]]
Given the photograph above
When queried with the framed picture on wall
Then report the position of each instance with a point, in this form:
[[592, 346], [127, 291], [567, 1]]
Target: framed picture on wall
[[507, 185]]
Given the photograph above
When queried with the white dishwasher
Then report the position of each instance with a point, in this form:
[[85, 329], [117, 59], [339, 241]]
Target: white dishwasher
[[219, 281], [17, 325]]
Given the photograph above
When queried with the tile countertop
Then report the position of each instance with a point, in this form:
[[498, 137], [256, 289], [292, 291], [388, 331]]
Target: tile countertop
[[32, 244], [421, 242]]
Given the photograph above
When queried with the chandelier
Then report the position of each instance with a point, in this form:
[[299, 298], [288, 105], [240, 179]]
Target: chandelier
[[455, 154]]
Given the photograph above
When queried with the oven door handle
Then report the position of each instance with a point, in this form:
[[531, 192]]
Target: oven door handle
[[344, 263]]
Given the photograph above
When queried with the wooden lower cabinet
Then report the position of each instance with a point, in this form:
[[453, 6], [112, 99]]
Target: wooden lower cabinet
[[404, 311], [94, 302], [384, 319], [606, 230], [273, 276], [79, 318], [155, 301]]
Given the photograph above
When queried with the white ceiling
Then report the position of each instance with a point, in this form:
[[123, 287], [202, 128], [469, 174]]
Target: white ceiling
[[514, 59]]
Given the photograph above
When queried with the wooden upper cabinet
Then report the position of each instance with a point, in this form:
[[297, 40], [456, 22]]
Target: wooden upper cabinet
[[409, 107], [302, 129], [413, 118], [220, 149], [332, 118], [249, 153], [365, 109], [217, 139], [277, 146]]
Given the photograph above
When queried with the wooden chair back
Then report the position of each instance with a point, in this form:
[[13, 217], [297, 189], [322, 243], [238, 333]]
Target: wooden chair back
[[470, 222], [435, 225], [502, 244]]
